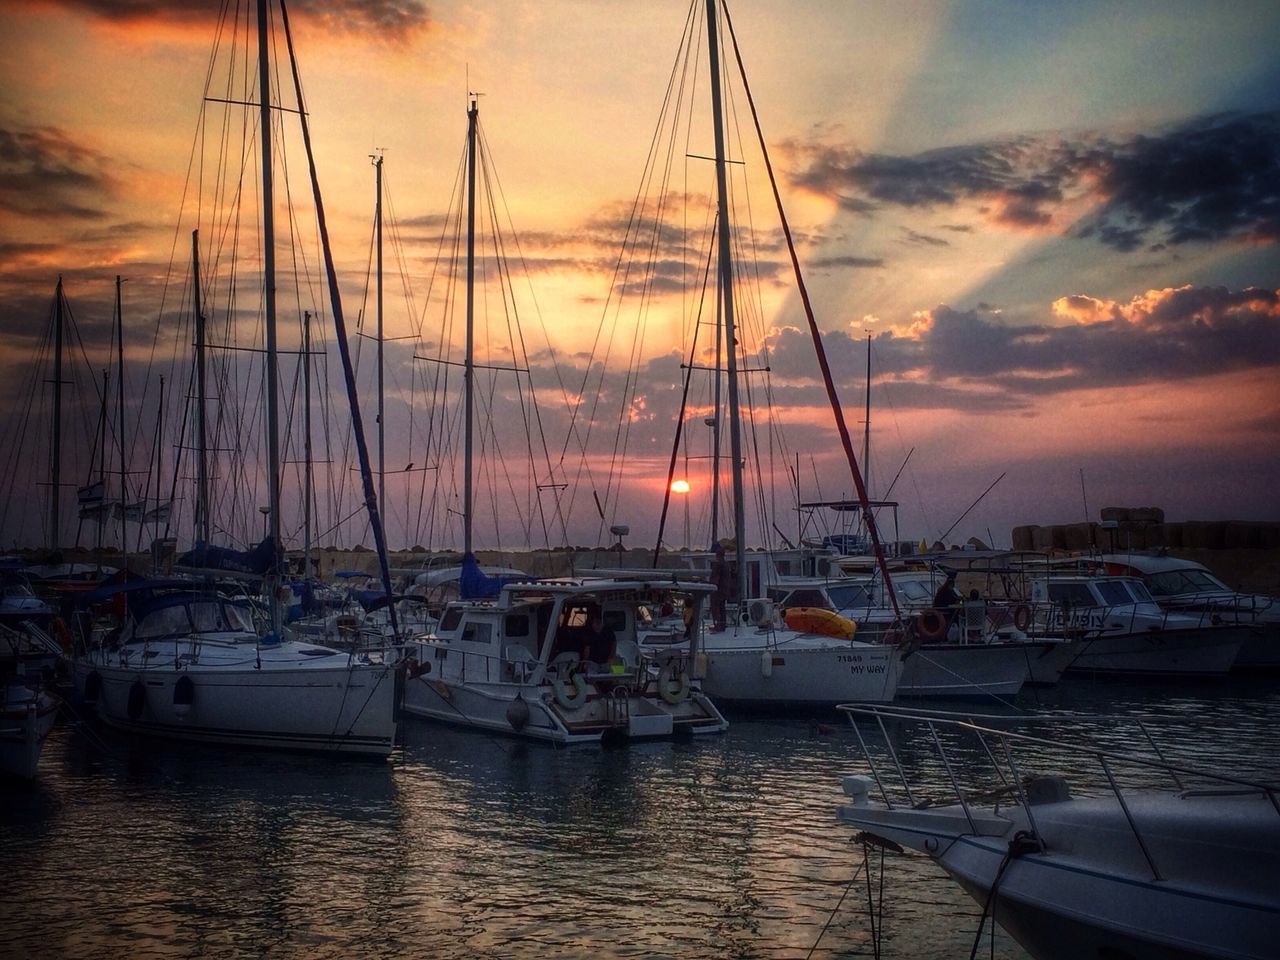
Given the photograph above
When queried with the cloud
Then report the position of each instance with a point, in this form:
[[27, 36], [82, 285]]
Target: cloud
[[974, 359], [1214, 178], [46, 174], [392, 19]]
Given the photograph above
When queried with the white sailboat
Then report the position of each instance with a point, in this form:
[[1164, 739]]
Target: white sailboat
[[752, 659], [192, 663]]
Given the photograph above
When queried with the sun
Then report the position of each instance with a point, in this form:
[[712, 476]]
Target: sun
[[679, 486]]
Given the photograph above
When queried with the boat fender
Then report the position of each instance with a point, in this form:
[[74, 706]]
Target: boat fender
[[673, 687], [766, 663], [184, 695], [92, 687], [416, 668], [931, 625], [518, 714], [442, 688], [1022, 616], [137, 700], [570, 701]]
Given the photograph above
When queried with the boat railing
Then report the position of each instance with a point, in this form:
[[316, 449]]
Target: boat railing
[[998, 747]]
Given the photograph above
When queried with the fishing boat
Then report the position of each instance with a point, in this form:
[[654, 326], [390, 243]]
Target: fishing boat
[[190, 661], [1191, 870], [1191, 590], [515, 665]]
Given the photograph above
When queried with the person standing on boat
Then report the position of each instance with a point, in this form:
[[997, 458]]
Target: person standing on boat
[[947, 601], [599, 644]]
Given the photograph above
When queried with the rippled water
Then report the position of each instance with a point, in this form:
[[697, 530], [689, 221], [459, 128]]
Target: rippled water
[[472, 846]]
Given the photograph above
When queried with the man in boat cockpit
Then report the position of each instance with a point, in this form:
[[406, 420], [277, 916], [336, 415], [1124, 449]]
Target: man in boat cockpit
[[947, 601], [599, 643]]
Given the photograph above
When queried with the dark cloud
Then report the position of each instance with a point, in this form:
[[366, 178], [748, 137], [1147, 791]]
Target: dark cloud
[[1212, 179], [923, 239], [45, 174], [391, 18], [972, 359], [821, 263]]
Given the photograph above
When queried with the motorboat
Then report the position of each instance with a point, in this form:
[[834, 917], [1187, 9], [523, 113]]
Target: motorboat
[[191, 663], [1122, 630], [1069, 870], [1190, 589], [515, 664], [27, 708]]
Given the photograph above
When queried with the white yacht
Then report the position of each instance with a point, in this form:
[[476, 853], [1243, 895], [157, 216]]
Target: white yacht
[[1190, 589], [1122, 630], [1072, 870], [515, 665], [193, 665]]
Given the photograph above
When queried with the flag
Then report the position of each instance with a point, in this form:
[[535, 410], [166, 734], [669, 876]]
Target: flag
[[93, 493]]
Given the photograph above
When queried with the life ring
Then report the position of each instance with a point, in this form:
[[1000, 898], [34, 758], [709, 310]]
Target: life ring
[[673, 686], [137, 700], [931, 625], [570, 701], [1022, 616]]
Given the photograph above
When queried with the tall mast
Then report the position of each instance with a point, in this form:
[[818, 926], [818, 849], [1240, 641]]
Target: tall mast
[[55, 467], [306, 444], [124, 487], [269, 291], [866, 432], [102, 461], [469, 369], [202, 439], [382, 394], [159, 455], [726, 284]]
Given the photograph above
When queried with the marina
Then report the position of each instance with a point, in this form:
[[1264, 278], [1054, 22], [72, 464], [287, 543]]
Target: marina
[[617, 587], [467, 845]]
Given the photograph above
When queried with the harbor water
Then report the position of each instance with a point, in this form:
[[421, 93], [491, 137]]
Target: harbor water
[[467, 845]]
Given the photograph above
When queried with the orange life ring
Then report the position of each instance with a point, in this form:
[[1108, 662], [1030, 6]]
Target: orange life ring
[[1022, 616], [931, 625]]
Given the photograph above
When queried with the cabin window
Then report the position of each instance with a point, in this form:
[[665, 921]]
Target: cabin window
[[616, 620], [452, 617], [1113, 592], [1138, 591], [849, 596], [1072, 594], [516, 625], [208, 618], [807, 598], [165, 622]]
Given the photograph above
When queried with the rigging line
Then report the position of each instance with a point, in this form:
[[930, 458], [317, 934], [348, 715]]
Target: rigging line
[[836, 909], [845, 439], [684, 400], [972, 505], [335, 301]]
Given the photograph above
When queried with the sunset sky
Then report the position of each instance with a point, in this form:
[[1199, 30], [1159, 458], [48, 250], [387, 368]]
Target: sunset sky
[[1059, 224]]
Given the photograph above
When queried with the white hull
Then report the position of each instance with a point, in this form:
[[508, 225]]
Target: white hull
[[1262, 649], [25, 721], [750, 669], [603, 717], [292, 701], [1090, 893], [964, 670], [1210, 651]]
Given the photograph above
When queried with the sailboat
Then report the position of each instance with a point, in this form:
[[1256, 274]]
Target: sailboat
[[516, 656], [193, 662], [752, 659]]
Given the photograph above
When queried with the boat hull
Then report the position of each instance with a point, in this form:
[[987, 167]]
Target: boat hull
[[1208, 651], [25, 721], [336, 706], [532, 712], [1091, 891], [758, 675], [964, 670]]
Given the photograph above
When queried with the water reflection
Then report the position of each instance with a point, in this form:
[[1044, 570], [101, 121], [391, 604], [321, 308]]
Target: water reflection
[[466, 845]]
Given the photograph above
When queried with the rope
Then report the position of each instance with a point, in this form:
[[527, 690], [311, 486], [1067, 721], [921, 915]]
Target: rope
[[1023, 842], [839, 903]]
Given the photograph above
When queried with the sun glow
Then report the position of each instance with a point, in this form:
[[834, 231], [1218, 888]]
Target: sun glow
[[679, 486]]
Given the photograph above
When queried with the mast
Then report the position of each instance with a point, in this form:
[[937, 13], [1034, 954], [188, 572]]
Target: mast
[[55, 467], [159, 452], [726, 283], [102, 462], [202, 440], [468, 376], [269, 291], [382, 394], [866, 432], [124, 488], [306, 444]]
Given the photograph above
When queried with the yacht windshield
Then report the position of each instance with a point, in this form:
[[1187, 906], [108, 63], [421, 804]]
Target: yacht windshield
[[849, 596], [1113, 592], [1171, 583], [215, 616]]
